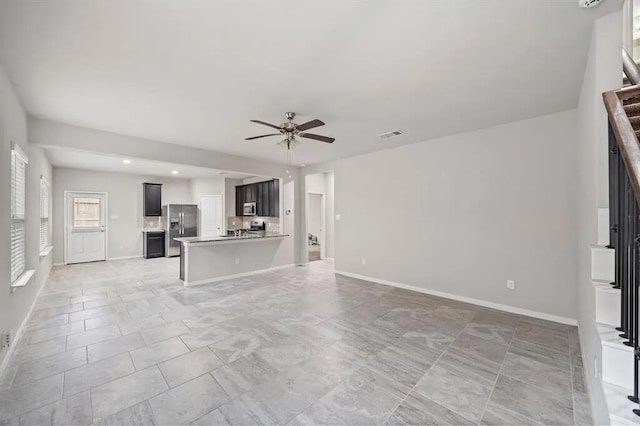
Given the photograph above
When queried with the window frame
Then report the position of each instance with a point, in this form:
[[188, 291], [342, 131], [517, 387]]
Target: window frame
[[45, 215], [22, 277]]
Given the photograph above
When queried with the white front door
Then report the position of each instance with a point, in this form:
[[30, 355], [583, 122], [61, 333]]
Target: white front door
[[85, 226], [211, 218]]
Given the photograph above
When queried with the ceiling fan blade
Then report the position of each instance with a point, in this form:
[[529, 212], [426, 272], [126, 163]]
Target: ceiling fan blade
[[266, 124], [316, 137], [310, 125], [261, 136]]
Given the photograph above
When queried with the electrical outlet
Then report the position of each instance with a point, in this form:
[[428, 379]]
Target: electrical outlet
[[511, 284], [337, 217], [5, 339], [237, 261], [364, 261]]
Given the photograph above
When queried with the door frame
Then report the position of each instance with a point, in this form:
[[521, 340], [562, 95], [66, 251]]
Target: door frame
[[66, 220], [323, 224], [223, 215]]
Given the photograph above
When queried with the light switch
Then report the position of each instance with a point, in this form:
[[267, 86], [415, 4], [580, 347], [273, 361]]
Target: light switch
[[337, 217]]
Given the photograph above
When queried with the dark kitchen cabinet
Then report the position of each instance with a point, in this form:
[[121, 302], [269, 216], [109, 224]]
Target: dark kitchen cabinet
[[153, 244], [240, 199], [251, 193], [262, 199], [274, 198], [266, 195], [152, 199]]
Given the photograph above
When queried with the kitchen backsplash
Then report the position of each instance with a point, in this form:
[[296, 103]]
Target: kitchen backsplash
[[244, 222], [151, 222]]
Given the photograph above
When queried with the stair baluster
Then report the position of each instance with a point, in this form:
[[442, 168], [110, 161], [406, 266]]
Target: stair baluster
[[624, 250], [614, 184]]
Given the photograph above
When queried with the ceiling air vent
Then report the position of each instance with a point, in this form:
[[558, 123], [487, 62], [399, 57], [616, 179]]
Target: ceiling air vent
[[589, 3], [388, 135]]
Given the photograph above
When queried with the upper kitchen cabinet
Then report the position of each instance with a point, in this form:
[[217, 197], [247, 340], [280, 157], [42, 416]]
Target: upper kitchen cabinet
[[266, 195], [239, 200], [152, 197], [261, 200], [274, 197], [251, 193]]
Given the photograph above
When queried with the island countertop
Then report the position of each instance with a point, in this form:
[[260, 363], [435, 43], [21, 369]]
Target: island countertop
[[231, 238]]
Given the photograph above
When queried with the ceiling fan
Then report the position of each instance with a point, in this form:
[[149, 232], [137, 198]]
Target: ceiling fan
[[290, 130]]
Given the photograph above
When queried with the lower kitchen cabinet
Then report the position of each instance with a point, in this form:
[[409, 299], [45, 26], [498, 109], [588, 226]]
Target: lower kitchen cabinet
[[153, 244]]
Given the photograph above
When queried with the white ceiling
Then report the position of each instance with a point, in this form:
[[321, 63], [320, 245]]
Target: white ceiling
[[138, 166], [194, 72]]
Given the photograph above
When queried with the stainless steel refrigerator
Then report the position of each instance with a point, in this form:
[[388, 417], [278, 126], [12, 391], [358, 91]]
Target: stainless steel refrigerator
[[178, 220]]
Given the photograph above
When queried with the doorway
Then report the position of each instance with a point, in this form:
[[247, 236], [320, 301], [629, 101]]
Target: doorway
[[315, 239], [319, 219], [211, 217], [85, 227]]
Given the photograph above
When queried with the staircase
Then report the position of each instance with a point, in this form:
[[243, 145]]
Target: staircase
[[615, 260], [617, 359]]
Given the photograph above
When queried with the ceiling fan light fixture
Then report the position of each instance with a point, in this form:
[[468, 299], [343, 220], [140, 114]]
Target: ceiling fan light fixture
[[289, 144]]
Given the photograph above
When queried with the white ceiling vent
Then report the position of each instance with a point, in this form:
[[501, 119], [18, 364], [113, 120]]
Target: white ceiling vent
[[589, 3], [388, 135]]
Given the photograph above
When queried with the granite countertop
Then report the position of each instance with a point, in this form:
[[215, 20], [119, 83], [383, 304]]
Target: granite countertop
[[222, 238]]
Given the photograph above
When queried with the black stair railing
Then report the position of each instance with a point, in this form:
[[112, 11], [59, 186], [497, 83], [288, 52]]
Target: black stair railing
[[624, 209]]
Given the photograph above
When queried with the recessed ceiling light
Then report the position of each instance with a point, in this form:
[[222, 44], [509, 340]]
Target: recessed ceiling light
[[302, 165], [174, 172], [126, 161], [391, 134]]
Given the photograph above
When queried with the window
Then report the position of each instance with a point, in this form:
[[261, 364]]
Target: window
[[45, 211], [86, 212], [19, 163]]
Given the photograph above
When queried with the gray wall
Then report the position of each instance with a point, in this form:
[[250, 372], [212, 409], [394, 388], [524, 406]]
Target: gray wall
[[330, 214], [125, 206], [603, 73], [230, 196], [207, 186], [464, 214], [14, 307]]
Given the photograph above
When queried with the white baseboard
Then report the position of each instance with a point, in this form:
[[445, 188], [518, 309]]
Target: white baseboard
[[240, 275], [484, 303], [123, 257], [591, 382], [23, 326], [108, 259]]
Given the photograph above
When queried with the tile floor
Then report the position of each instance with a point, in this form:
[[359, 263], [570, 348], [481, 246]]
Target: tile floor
[[124, 343]]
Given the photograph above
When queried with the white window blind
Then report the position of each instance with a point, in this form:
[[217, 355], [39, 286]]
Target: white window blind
[[45, 211], [19, 163]]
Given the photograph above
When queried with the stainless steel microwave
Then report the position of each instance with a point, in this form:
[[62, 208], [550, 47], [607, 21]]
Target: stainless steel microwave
[[249, 209]]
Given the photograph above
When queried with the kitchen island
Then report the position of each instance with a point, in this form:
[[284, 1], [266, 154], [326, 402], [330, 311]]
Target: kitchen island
[[209, 259]]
